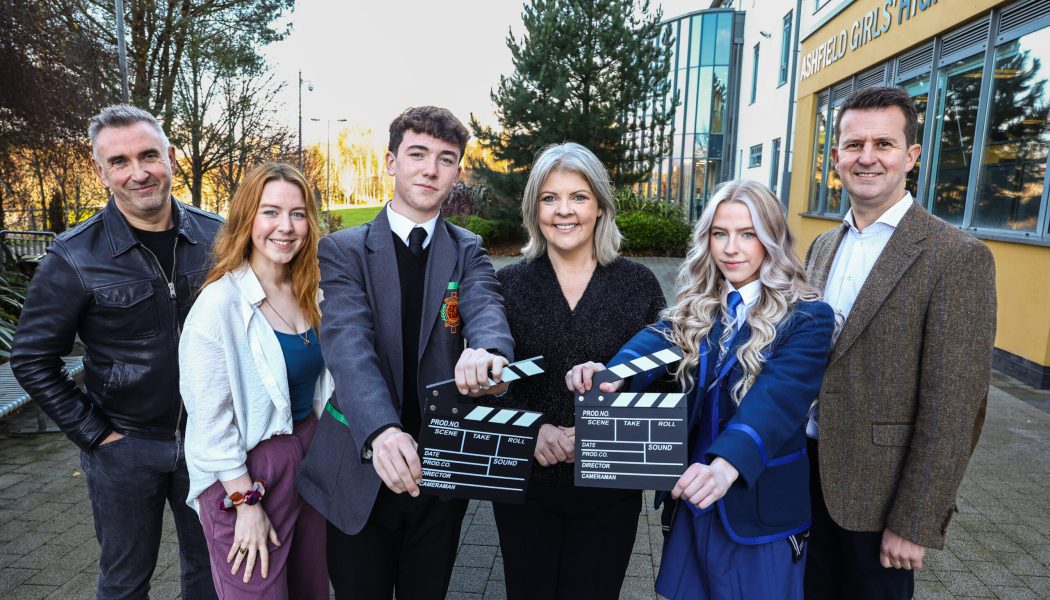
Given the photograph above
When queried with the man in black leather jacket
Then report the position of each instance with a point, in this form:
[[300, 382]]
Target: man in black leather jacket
[[123, 281]]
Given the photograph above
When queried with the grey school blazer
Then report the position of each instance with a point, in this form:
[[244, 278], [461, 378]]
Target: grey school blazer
[[904, 393], [361, 343]]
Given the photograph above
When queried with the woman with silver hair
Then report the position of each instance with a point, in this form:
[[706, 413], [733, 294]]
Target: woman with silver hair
[[755, 339], [573, 298]]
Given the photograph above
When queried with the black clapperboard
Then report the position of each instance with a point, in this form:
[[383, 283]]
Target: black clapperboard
[[631, 440], [469, 450]]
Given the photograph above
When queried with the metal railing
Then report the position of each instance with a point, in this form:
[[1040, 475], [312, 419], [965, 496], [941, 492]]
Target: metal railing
[[27, 245]]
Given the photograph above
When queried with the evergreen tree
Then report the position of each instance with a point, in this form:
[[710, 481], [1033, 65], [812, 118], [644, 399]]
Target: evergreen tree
[[594, 72]]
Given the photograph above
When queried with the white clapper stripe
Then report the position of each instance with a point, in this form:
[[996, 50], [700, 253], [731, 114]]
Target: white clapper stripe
[[623, 399], [503, 416], [644, 363], [507, 377], [666, 356], [478, 413], [646, 400], [671, 400], [528, 367], [622, 370], [527, 419]]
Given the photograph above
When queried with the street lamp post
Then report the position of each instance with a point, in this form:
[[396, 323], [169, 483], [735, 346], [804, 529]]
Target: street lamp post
[[328, 168], [300, 120], [122, 54], [309, 88]]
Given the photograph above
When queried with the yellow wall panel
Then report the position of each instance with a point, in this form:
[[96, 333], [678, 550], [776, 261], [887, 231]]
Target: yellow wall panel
[[939, 18], [1022, 280]]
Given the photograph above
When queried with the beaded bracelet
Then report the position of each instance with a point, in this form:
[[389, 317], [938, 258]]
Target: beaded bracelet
[[251, 497]]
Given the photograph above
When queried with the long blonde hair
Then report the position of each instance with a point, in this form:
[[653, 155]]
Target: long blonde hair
[[701, 287], [233, 244]]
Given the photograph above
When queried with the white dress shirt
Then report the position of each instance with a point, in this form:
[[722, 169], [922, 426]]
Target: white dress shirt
[[857, 255], [233, 381], [854, 259], [750, 294], [402, 225]]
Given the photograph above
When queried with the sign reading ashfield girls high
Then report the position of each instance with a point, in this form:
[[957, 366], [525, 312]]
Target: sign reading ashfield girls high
[[866, 29]]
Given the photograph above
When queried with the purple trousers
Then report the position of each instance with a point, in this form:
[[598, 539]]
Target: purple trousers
[[298, 569]]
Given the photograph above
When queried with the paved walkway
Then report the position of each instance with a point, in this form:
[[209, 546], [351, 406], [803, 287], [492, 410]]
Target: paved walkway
[[998, 544]]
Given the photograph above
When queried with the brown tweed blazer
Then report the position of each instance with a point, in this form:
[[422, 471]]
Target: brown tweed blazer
[[904, 393]]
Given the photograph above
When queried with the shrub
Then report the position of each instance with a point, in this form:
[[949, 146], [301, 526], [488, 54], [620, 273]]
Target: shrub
[[627, 202], [460, 201], [649, 225], [648, 232], [493, 232]]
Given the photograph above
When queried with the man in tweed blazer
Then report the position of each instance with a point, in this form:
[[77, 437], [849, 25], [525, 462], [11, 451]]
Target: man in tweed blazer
[[907, 380]]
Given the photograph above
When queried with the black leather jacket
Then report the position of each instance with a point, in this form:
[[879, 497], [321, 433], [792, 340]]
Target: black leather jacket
[[97, 281]]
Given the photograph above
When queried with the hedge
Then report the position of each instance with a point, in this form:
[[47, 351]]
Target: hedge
[[493, 232], [650, 232]]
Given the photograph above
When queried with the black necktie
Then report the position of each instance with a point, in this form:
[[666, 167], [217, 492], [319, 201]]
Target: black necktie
[[415, 241]]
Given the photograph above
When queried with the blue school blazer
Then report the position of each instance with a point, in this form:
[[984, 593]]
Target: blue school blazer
[[765, 437]]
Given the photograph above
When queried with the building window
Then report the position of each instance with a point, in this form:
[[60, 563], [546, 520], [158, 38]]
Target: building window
[[1013, 165], [833, 200], [774, 162], [820, 132], [697, 150], [755, 159], [919, 89], [985, 158], [826, 193], [819, 4], [754, 76], [785, 50], [958, 94]]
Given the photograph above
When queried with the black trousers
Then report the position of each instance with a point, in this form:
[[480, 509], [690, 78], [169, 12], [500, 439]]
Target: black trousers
[[844, 564], [407, 548], [566, 542]]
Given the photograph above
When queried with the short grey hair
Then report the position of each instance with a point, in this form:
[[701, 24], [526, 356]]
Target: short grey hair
[[122, 115], [573, 158]]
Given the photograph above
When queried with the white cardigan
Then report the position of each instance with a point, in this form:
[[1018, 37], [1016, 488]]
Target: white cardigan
[[233, 381]]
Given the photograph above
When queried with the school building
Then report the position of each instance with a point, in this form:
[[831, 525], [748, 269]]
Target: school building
[[979, 71]]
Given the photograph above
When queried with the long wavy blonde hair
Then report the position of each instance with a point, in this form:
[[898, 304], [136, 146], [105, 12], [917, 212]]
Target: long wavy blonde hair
[[701, 287]]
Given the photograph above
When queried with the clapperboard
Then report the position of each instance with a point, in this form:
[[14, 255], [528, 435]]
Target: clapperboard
[[469, 450], [630, 440]]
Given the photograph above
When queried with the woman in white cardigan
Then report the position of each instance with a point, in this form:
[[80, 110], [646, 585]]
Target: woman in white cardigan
[[253, 381]]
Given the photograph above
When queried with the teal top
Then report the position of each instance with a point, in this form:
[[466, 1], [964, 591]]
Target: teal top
[[304, 364]]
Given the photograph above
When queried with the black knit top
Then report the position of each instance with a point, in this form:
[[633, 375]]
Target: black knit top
[[620, 300]]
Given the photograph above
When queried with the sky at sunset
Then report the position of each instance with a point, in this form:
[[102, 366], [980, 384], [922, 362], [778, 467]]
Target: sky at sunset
[[369, 60]]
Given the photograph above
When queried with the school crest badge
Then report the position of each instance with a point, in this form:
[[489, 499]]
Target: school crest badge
[[450, 307]]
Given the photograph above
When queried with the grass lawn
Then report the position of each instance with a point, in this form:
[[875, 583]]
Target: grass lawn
[[357, 216]]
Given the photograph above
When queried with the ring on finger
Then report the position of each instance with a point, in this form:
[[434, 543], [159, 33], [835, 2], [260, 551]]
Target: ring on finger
[[243, 550]]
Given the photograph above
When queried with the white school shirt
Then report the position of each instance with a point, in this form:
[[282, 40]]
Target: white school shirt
[[750, 294], [233, 381], [854, 259], [402, 225]]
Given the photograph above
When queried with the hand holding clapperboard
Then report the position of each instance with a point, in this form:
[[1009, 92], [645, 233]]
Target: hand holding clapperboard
[[469, 450], [631, 440]]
